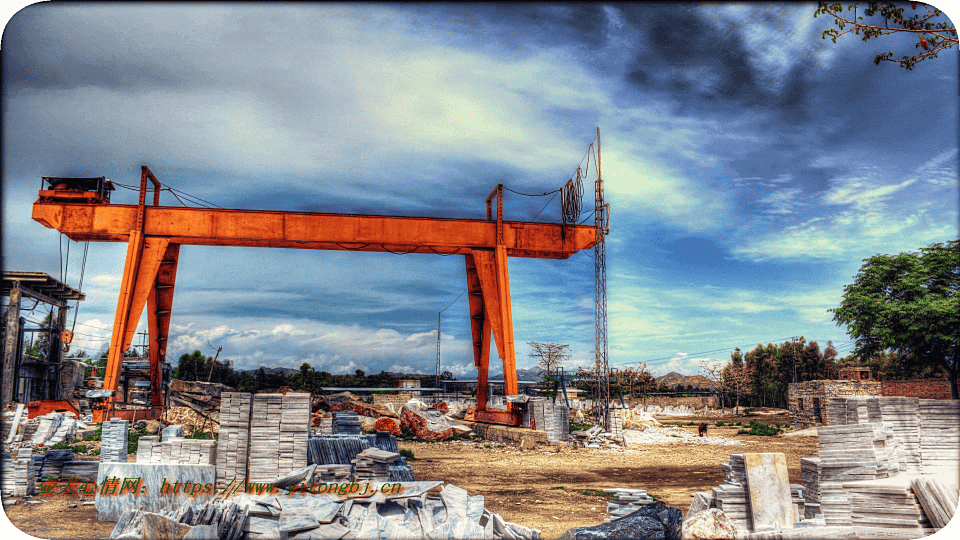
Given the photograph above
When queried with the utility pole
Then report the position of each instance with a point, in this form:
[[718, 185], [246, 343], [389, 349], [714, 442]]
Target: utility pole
[[209, 375], [793, 341], [438, 349]]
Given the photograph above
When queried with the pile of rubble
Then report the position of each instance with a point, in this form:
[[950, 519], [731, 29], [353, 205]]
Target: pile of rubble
[[430, 424], [377, 512], [658, 435], [203, 397]]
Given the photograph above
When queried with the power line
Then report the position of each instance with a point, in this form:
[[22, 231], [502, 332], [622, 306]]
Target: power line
[[454, 300]]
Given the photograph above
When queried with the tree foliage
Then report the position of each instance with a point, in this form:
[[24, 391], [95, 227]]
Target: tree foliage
[[909, 303], [934, 32]]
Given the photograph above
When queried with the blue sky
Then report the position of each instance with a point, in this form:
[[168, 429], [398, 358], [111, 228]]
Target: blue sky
[[750, 165]]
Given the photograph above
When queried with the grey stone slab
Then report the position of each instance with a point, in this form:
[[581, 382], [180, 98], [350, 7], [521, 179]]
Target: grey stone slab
[[202, 532], [160, 527], [769, 487], [297, 520], [329, 531]]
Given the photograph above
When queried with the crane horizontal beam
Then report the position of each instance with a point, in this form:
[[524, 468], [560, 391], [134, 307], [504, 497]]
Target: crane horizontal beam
[[307, 230]]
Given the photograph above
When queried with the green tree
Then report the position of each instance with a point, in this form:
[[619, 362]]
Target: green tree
[[908, 302], [933, 31]]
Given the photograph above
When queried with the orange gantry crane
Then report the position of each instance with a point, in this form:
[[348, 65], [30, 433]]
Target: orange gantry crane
[[80, 208]]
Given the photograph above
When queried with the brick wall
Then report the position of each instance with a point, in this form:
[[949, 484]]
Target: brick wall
[[397, 398], [919, 388], [808, 400]]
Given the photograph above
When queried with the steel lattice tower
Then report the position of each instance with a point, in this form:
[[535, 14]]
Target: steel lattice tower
[[602, 367]]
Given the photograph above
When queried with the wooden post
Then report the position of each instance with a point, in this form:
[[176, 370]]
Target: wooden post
[[10, 352]]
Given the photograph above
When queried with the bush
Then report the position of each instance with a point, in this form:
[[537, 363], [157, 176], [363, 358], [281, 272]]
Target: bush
[[407, 453], [95, 436], [759, 428], [720, 423], [202, 435], [80, 449], [132, 437], [59, 446]]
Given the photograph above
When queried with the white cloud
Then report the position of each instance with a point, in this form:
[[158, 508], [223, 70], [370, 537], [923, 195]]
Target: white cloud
[[329, 347], [781, 201]]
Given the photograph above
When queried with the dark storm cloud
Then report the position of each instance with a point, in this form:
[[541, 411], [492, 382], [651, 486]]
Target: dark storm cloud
[[521, 27], [708, 68]]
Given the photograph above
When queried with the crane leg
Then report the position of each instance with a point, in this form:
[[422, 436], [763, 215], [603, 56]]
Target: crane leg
[[490, 312], [139, 273], [159, 308]]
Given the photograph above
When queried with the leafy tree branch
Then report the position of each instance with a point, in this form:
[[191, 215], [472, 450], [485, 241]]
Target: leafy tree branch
[[936, 33]]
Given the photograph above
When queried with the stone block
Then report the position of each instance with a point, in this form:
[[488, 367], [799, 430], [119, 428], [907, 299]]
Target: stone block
[[157, 483]]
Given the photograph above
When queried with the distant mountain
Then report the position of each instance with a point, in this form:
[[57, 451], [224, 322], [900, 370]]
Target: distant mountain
[[673, 379], [528, 374]]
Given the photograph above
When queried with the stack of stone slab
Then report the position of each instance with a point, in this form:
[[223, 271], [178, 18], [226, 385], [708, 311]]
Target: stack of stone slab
[[846, 410], [346, 423], [939, 502], [294, 431], [810, 478], [264, 462], [114, 440], [374, 465], [234, 437], [333, 473], [901, 414], [53, 428], [325, 427], [855, 452], [81, 470], [541, 412], [799, 502], [562, 424], [279, 426], [625, 502], [887, 503], [50, 464], [19, 478], [757, 494], [849, 453], [834, 505], [735, 503], [732, 496], [940, 435], [177, 450], [615, 424], [340, 451]]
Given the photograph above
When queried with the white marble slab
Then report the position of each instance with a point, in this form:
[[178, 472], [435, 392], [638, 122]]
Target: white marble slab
[[769, 487], [154, 495]]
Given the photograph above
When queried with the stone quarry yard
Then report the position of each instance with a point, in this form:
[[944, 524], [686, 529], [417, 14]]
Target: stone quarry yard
[[551, 488]]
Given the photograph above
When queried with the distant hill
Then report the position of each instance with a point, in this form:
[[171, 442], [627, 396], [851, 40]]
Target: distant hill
[[673, 379]]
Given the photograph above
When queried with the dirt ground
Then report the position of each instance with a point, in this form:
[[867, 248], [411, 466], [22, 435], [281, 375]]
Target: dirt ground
[[551, 488]]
